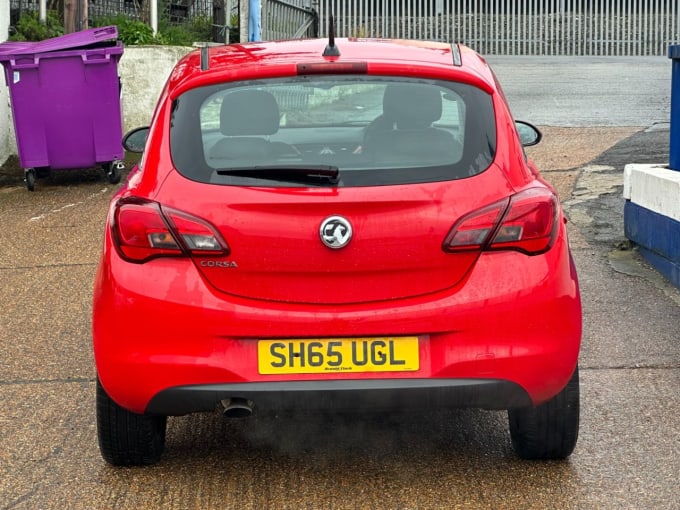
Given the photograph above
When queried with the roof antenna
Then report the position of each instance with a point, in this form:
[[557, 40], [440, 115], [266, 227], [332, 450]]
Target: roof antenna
[[331, 49]]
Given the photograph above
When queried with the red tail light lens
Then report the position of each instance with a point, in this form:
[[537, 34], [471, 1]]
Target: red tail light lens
[[472, 232], [198, 236], [526, 222], [530, 225], [141, 232]]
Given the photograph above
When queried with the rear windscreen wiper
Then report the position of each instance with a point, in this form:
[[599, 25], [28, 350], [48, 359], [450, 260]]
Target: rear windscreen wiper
[[286, 172]]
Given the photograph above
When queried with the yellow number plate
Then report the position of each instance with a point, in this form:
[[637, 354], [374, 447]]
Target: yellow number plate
[[316, 356]]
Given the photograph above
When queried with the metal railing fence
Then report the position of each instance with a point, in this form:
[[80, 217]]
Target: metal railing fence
[[492, 27], [171, 12], [516, 27]]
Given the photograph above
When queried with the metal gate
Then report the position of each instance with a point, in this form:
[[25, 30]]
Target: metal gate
[[288, 19], [516, 27]]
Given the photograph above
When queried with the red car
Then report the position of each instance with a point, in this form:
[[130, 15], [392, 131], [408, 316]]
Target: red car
[[334, 224]]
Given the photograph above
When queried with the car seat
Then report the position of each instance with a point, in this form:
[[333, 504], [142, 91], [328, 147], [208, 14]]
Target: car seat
[[247, 120], [404, 131]]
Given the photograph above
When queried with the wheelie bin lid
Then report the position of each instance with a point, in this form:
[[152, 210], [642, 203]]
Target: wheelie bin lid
[[75, 40]]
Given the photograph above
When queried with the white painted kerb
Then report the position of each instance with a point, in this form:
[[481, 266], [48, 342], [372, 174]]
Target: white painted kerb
[[653, 187]]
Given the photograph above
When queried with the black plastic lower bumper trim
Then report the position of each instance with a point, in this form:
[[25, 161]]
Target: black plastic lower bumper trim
[[345, 394]]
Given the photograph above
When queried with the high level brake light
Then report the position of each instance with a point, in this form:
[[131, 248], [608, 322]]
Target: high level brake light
[[332, 68], [143, 230], [525, 222]]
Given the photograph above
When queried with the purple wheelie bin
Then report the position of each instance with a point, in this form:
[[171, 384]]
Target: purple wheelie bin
[[65, 96]]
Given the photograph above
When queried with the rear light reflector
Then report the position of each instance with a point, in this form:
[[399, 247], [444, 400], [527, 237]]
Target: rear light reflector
[[526, 222], [143, 230]]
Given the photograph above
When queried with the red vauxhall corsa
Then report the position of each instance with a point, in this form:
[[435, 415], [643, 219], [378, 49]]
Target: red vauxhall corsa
[[335, 224]]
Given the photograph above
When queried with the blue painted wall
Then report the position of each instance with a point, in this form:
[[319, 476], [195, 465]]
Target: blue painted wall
[[658, 238]]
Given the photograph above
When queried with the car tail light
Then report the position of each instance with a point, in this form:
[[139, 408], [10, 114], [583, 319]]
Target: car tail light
[[525, 222], [143, 230]]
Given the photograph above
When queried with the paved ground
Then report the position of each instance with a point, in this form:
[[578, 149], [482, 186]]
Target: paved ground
[[587, 91], [628, 454]]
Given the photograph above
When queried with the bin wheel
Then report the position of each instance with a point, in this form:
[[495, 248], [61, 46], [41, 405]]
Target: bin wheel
[[114, 171], [29, 178]]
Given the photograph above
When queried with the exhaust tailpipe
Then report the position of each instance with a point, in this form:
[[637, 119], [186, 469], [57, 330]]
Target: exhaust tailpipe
[[237, 407]]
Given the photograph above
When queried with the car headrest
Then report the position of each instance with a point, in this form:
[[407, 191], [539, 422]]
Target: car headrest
[[411, 105], [248, 113]]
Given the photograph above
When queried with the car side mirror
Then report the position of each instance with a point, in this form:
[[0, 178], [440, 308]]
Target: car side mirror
[[135, 140], [528, 134]]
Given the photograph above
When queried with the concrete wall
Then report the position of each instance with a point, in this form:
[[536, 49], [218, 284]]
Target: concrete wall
[[143, 71], [7, 145]]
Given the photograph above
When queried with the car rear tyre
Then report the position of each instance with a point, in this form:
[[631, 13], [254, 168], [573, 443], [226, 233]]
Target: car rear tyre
[[126, 438], [548, 431]]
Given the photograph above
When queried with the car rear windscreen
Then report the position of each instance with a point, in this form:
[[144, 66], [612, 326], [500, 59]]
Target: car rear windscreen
[[369, 130]]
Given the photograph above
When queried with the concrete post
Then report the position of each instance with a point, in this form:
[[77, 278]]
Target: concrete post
[[243, 16], [153, 16]]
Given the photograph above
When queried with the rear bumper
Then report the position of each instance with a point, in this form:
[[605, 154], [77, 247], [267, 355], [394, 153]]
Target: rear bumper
[[511, 332], [345, 394]]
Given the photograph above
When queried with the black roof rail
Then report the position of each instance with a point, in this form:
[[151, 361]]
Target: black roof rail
[[457, 60], [205, 58]]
